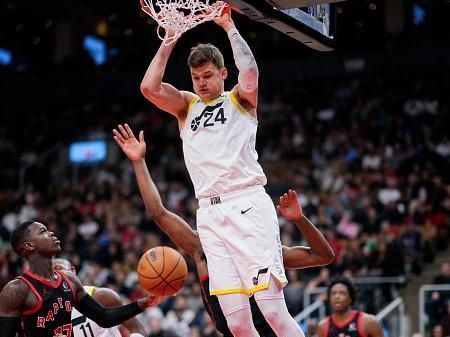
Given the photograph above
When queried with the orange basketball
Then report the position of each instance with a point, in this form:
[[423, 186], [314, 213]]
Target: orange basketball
[[162, 271]]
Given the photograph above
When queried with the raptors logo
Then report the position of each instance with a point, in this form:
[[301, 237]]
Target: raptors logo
[[66, 286]]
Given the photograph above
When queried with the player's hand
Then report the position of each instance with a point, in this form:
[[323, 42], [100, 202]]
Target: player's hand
[[225, 20], [169, 34], [59, 335], [150, 301], [133, 148], [289, 206]]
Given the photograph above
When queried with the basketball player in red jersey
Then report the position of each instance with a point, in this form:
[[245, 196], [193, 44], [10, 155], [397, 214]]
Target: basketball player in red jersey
[[318, 254], [83, 326], [344, 321], [41, 299]]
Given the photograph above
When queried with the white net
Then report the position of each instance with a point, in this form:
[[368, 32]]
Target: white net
[[174, 17]]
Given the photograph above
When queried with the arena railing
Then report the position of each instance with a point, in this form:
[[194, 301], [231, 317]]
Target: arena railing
[[423, 290], [375, 280], [396, 324], [306, 313]]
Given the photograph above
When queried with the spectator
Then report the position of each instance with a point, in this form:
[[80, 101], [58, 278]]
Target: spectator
[[436, 331], [445, 321], [293, 292], [444, 275], [178, 320]]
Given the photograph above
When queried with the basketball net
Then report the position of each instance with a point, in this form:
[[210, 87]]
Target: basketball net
[[174, 17]]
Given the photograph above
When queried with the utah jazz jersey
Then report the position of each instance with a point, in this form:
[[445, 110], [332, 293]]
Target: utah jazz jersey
[[219, 146], [85, 327], [212, 306], [350, 328], [51, 315]]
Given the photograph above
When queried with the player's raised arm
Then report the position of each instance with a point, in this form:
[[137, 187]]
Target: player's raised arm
[[112, 316], [163, 95], [12, 302], [247, 88], [319, 253], [176, 228]]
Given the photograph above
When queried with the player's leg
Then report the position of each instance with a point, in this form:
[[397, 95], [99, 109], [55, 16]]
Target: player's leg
[[236, 309], [272, 305], [223, 276]]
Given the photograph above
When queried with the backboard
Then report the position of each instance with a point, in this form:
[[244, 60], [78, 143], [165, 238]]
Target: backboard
[[312, 22]]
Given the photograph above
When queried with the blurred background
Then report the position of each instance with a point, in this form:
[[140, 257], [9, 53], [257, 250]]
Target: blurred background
[[361, 133]]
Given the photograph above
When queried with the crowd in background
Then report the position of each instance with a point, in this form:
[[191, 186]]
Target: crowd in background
[[368, 155]]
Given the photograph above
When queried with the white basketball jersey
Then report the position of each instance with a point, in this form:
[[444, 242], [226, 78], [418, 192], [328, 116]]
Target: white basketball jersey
[[219, 146], [85, 327]]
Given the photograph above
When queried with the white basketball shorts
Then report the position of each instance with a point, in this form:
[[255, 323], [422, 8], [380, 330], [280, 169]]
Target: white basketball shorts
[[240, 235]]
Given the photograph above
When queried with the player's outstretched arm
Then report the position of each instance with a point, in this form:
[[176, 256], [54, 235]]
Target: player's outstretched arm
[[112, 316], [247, 88], [319, 253], [176, 228], [163, 95], [12, 300], [109, 298]]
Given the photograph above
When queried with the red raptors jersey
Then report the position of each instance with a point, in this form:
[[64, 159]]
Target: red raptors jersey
[[350, 328], [52, 314]]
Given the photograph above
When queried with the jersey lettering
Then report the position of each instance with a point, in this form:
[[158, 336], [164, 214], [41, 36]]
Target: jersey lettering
[[208, 113], [65, 330], [40, 322], [87, 330], [208, 116], [220, 117], [50, 316], [68, 306]]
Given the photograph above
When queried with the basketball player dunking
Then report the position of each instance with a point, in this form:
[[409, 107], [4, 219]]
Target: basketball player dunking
[[320, 252], [41, 300], [236, 222]]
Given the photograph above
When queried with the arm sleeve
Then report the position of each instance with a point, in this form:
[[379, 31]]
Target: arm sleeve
[[107, 317], [9, 326], [244, 60]]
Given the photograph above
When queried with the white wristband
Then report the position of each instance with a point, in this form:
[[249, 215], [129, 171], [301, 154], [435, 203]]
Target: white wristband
[[136, 335]]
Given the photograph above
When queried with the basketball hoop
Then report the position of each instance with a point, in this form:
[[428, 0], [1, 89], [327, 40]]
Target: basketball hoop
[[178, 16]]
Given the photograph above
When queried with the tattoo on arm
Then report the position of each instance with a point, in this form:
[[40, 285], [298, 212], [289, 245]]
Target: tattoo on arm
[[12, 298]]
